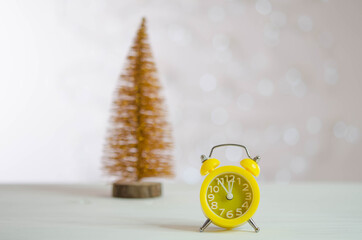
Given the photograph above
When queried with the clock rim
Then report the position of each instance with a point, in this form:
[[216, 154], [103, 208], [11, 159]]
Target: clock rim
[[223, 222]]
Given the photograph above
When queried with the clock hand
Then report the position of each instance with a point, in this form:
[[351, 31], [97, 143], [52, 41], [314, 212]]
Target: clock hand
[[229, 195], [223, 186], [232, 185]]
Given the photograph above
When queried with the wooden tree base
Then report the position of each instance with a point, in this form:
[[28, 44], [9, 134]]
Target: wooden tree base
[[136, 189]]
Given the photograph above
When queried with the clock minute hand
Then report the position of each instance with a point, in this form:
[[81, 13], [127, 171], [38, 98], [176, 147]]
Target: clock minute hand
[[223, 186]]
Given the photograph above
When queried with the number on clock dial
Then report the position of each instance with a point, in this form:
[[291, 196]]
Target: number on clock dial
[[229, 183]]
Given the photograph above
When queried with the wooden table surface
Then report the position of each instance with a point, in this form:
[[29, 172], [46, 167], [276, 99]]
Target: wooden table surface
[[295, 211]]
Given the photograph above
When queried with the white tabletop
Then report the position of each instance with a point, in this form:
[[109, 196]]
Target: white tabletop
[[297, 211]]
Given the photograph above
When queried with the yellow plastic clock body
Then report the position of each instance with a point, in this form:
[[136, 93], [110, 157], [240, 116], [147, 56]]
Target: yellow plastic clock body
[[229, 196]]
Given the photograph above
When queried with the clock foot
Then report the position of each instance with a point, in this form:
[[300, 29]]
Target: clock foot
[[205, 225], [252, 223]]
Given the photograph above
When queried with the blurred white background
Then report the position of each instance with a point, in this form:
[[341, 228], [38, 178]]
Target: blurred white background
[[281, 77]]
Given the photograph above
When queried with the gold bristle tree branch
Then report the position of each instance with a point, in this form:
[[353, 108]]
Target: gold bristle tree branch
[[139, 141]]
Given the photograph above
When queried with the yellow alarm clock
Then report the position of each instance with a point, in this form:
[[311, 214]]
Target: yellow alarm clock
[[229, 195]]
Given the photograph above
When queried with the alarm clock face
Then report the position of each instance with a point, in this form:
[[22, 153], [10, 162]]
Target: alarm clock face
[[229, 195]]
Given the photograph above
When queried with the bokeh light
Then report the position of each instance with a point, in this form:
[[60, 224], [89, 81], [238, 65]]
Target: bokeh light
[[208, 82], [263, 7], [291, 136], [305, 23]]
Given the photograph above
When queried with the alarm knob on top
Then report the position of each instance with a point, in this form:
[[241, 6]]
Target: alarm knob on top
[[251, 166], [208, 165]]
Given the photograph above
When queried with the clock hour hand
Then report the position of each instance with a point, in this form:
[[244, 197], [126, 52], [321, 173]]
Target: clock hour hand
[[229, 195]]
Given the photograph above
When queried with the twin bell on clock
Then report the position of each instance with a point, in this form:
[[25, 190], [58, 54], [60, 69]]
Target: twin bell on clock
[[229, 195]]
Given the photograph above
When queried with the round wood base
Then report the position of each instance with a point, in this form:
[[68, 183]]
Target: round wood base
[[136, 189]]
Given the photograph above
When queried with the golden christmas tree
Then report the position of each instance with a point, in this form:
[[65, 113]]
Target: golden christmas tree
[[139, 143]]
